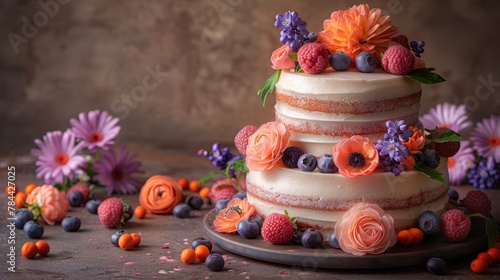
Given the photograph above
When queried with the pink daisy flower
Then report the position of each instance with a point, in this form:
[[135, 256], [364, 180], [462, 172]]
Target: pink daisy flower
[[115, 171], [97, 129], [447, 115], [486, 138], [58, 157], [460, 163]]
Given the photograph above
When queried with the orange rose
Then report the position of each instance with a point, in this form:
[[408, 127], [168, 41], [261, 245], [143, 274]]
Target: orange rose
[[265, 147], [160, 194], [228, 218], [280, 58], [50, 202], [355, 156], [365, 229]]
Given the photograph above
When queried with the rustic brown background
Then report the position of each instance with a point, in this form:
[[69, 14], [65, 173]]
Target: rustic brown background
[[213, 56]]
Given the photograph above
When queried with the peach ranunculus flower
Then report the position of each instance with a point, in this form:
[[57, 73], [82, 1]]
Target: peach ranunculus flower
[[49, 202], [414, 145], [357, 29], [280, 58], [355, 156], [265, 147], [228, 218], [365, 229]]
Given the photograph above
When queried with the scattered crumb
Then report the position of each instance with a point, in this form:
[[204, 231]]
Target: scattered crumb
[[178, 268], [162, 271], [128, 263], [148, 254], [283, 272], [243, 273]]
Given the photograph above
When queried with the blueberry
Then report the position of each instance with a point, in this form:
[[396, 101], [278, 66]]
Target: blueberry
[[240, 195], [258, 219], [221, 204], [419, 158], [33, 229], [194, 202], [340, 61], [326, 164], [291, 156], [307, 162], [75, 199], [333, 241], [116, 236], [71, 223], [429, 223], [248, 228], [432, 158], [92, 205], [182, 210], [311, 238], [129, 213], [22, 216], [437, 266], [214, 262], [201, 241], [366, 62], [453, 194]]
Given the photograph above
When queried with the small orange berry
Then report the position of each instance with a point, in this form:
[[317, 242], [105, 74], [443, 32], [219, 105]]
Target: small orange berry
[[485, 256], [29, 188], [404, 237], [202, 252], [19, 199], [126, 241], [478, 265], [183, 182], [43, 247], [204, 192], [188, 256], [194, 186], [136, 239], [11, 190], [418, 235], [29, 250], [495, 254], [140, 212]]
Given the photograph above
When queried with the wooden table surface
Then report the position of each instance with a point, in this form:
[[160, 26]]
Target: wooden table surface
[[88, 253]]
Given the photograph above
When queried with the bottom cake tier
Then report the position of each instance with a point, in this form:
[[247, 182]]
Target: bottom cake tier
[[319, 200]]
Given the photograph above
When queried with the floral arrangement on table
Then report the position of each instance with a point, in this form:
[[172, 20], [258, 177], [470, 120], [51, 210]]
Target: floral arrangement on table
[[85, 152]]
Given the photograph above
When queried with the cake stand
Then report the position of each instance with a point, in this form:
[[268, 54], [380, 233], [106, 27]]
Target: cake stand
[[326, 257]]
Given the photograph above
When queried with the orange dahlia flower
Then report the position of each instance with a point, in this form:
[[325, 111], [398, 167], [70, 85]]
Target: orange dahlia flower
[[228, 218], [414, 145], [355, 156], [357, 29]]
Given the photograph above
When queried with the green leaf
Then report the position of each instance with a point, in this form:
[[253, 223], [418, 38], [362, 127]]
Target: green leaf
[[492, 229], [209, 176], [268, 86], [431, 173], [293, 56], [298, 69], [425, 76], [448, 135]]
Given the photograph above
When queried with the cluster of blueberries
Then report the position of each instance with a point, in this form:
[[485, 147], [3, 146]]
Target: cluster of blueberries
[[24, 220], [294, 157]]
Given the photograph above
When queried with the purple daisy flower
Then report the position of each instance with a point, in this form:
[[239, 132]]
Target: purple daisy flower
[[447, 115], [115, 171], [97, 129], [486, 138], [58, 157], [460, 163]]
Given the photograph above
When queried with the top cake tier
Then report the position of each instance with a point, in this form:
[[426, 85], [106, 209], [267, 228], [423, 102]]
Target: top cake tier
[[320, 110]]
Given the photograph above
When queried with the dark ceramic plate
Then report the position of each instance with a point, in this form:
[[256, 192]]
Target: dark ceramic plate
[[327, 257]]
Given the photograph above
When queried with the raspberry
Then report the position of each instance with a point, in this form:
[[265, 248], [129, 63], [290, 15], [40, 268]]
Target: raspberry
[[313, 58], [402, 40], [291, 156], [398, 60], [477, 202], [277, 229], [241, 138], [221, 189], [447, 149], [455, 225], [110, 212]]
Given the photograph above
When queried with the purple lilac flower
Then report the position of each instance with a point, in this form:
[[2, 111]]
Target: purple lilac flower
[[391, 150], [447, 115], [486, 138], [115, 171], [486, 175], [221, 158], [389, 165], [58, 157], [293, 30], [96, 129], [460, 163]]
